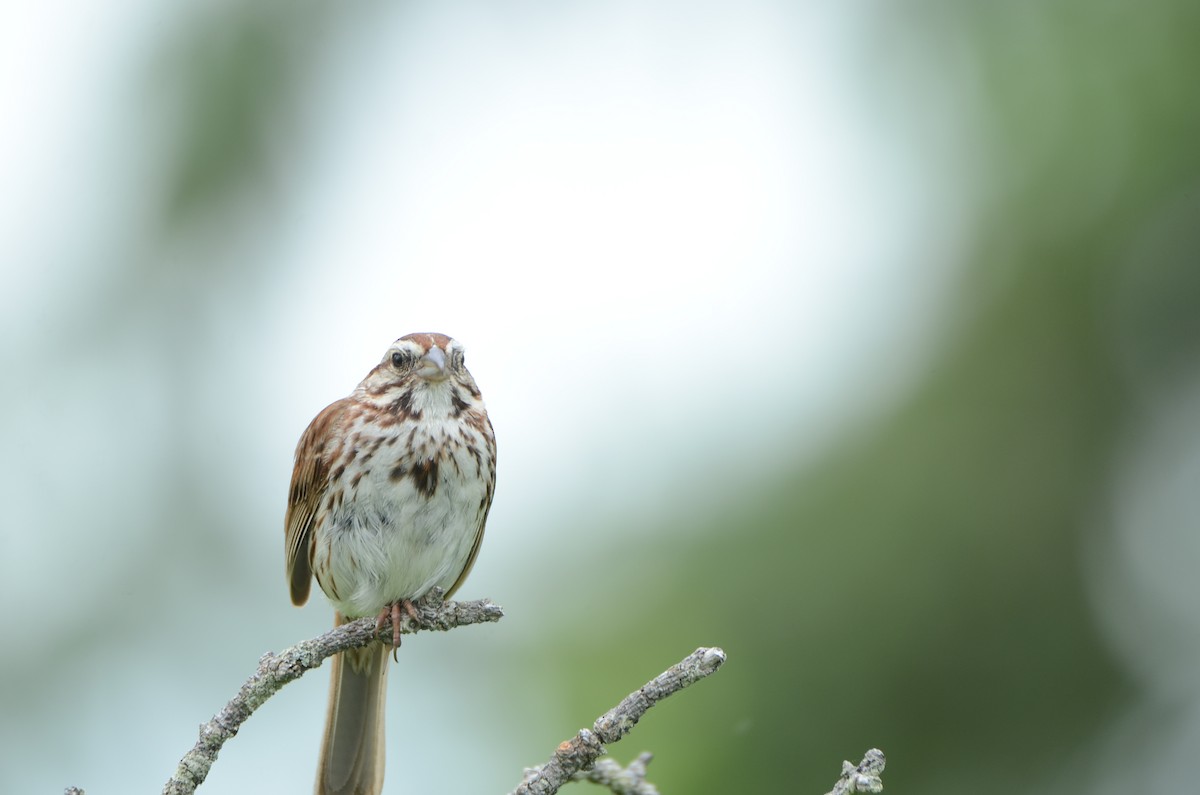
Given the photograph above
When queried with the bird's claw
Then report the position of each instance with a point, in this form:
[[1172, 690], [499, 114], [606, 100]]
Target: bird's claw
[[393, 612]]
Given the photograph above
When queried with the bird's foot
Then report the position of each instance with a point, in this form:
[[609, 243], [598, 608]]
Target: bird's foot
[[394, 611]]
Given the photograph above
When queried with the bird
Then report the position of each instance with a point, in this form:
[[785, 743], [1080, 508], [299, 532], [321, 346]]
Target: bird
[[389, 496]]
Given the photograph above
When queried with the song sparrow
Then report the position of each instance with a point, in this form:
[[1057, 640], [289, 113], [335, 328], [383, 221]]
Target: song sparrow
[[389, 495]]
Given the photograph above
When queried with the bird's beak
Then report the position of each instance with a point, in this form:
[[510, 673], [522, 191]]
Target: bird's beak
[[433, 365]]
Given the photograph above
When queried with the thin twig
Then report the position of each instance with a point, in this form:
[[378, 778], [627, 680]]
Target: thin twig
[[582, 750], [620, 780], [276, 670], [865, 777]]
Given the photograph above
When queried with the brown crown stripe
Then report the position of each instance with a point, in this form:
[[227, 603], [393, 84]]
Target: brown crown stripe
[[427, 339]]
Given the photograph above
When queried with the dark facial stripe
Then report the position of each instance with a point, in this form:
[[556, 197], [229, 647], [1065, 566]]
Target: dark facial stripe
[[403, 405]]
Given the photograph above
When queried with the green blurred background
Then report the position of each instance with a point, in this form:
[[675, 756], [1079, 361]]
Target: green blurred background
[[858, 339]]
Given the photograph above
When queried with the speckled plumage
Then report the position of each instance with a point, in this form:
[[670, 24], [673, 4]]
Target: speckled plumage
[[389, 496]]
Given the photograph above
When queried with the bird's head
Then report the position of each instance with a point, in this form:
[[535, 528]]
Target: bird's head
[[422, 372]]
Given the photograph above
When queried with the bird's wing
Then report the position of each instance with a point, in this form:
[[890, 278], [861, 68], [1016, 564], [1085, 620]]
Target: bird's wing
[[310, 481]]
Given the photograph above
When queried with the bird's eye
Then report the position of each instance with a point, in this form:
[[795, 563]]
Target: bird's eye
[[400, 359], [460, 360]]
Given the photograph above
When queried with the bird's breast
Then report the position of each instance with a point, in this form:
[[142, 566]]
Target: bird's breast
[[401, 514]]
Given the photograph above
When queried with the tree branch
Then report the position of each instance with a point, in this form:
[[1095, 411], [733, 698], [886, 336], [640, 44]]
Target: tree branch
[[573, 760], [582, 750], [276, 670]]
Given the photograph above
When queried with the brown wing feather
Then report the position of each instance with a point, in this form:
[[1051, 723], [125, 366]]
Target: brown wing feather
[[310, 479], [491, 489], [470, 560]]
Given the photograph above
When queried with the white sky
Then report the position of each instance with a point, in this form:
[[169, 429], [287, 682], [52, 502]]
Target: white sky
[[655, 212], [629, 221]]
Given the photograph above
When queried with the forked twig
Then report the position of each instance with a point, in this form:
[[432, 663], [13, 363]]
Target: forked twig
[[581, 751]]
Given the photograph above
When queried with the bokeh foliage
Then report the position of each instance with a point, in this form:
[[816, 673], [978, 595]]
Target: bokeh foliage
[[921, 587]]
